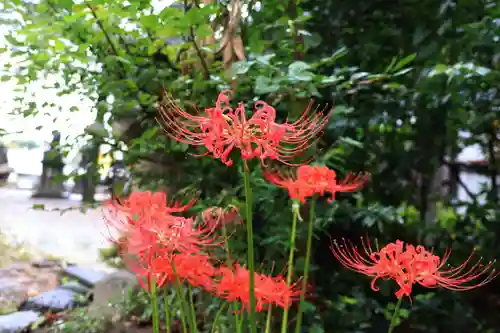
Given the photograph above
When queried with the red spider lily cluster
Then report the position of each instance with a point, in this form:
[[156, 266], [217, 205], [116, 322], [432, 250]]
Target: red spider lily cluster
[[407, 265], [221, 129], [160, 247]]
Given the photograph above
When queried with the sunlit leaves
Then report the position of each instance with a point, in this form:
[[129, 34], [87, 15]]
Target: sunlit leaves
[[299, 71], [265, 85], [241, 67]]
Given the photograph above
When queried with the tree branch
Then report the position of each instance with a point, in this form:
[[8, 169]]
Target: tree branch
[[203, 61], [101, 26], [493, 166], [466, 189], [459, 180], [204, 65]]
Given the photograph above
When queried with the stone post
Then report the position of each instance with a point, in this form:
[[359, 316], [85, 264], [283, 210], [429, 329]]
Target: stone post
[[52, 168]]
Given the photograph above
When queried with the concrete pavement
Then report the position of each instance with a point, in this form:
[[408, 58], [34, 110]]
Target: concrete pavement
[[73, 236]]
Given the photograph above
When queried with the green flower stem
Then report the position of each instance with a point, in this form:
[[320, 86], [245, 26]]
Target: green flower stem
[[229, 262], [312, 214], [215, 325], [182, 300], [251, 268], [268, 320], [293, 235], [395, 315], [183, 312], [154, 300], [167, 312], [193, 311]]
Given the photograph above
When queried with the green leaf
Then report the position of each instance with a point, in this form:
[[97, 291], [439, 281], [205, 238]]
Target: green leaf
[[66, 4], [204, 30], [331, 79], [402, 72], [298, 66], [169, 13], [342, 110], [149, 134], [404, 313], [313, 91], [349, 300], [38, 207], [265, 59], [124, 60], [200, 15], [149, 21], [391, 65], [13, 41], [334, 57], [308, 307], [358, 76], [58, 45], [351, 142], [438, 69], [392, 85], [312, 40], [96, 130], [264, 85], [167, 31], [403, 62], [317, 329], [271, 240], [242, 67], [298, 71]]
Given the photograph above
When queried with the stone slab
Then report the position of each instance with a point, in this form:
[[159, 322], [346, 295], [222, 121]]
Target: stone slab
[[86, 276], [56, 300], [18, 321], [76, 287]]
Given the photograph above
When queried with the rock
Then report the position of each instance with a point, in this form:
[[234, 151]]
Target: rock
[[10, 302], [20, 281], [112, 288], [76, 287], [86, 276], [55, 300], [18, 321], [47, 263]]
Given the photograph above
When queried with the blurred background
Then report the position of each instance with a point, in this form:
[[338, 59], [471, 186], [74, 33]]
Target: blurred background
[[414, 90]]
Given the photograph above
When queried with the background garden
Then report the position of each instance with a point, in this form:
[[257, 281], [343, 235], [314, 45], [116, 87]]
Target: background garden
[[413, 86]]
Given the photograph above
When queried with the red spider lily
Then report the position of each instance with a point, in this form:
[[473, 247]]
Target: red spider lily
[[169, 234], [220, 129], [196, 269], [144, 269], [312, 179], [407, 265], [146, 222], [234, 285], [136, 203], [139, 207], [148, 251], [215, 217]]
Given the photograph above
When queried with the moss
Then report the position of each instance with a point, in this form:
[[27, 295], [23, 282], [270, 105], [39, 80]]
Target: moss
[[10, 253]]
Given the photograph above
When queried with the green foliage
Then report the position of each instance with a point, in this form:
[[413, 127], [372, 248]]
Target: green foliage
[[406, 79]]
